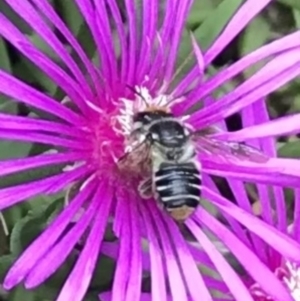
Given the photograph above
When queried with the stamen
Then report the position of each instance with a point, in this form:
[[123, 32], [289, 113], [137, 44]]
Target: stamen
[[94, 107]]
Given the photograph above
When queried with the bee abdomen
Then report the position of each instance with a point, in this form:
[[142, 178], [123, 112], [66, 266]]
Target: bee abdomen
[[178, 184]]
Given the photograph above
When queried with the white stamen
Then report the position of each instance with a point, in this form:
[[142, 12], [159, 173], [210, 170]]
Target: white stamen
[[4, 225], [87, 181], [73, 166], [94, 107], [293, 281]]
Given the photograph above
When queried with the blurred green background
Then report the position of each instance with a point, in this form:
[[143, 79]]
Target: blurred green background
[[206, 20]]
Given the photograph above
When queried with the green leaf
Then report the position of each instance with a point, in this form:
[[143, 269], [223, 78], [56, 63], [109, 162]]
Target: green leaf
[[198, 12], [205, 34], [30, 226], [68, 10], [5, 60], [256, 34], [214, 23], [296, 14], [24, 232], [12, 149], [20, 293], [293, 3], [290, 150], [5, 263]]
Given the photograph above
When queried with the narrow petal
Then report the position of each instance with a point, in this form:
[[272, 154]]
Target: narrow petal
[[12, 122], [135, 280], [296, 223], [284, 166], [158, 282], [240, 197], [259, 272], [32, 136], [22, 92], [236, 24], [116, 14], [17, 165], [123, 263], [47, 239], [133, 42], [107, 296], [176, 281], [15, 194], [102, 20], [87, 10], [193, 278], [82, 273], [199, 55], [232, 280], [277, 47], [53, 259], [23, 44], [26, 11], [279, 241], [150, 16], [180, 16], [275, 74], [240, 19], [287, 125], [53, 17]]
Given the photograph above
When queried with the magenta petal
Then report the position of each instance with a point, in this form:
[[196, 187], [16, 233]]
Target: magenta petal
[[241, 18], [52, 260], [22, 92], [199, 55], [193, 278], [30, 15], [275, 74], [281, 126], [13, 195], [158, 282], [135, 279], [282, 243], [271, 49], [82, 273], [237, 23], [176, 281], [46, 240], [33, 136], [11, 122], [234, 283], [58, 75], [53, 17], [260, 273], [107, 296], [17, 165], [123, 264]]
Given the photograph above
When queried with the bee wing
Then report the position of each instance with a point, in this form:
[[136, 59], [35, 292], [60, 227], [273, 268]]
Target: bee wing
[[227, 150]]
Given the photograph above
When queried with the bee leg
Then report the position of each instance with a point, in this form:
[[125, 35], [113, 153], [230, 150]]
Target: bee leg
[[145, 188]]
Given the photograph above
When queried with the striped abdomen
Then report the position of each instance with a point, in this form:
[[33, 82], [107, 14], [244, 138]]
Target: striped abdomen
[[178, 185]]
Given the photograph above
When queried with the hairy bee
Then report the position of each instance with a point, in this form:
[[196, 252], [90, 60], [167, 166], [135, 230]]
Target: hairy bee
[[176, 178], [173, 148]]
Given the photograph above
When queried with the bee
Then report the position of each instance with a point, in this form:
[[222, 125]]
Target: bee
[[173, 148]]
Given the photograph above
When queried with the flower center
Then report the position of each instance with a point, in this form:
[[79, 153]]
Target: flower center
[[113, 147], [289, 274]]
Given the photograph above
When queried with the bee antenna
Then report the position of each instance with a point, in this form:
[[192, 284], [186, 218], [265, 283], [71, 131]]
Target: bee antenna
[[176, 98], [137, 93]]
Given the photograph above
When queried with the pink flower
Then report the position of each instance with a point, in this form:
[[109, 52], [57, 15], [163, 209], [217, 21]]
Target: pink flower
[[89, 131]]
